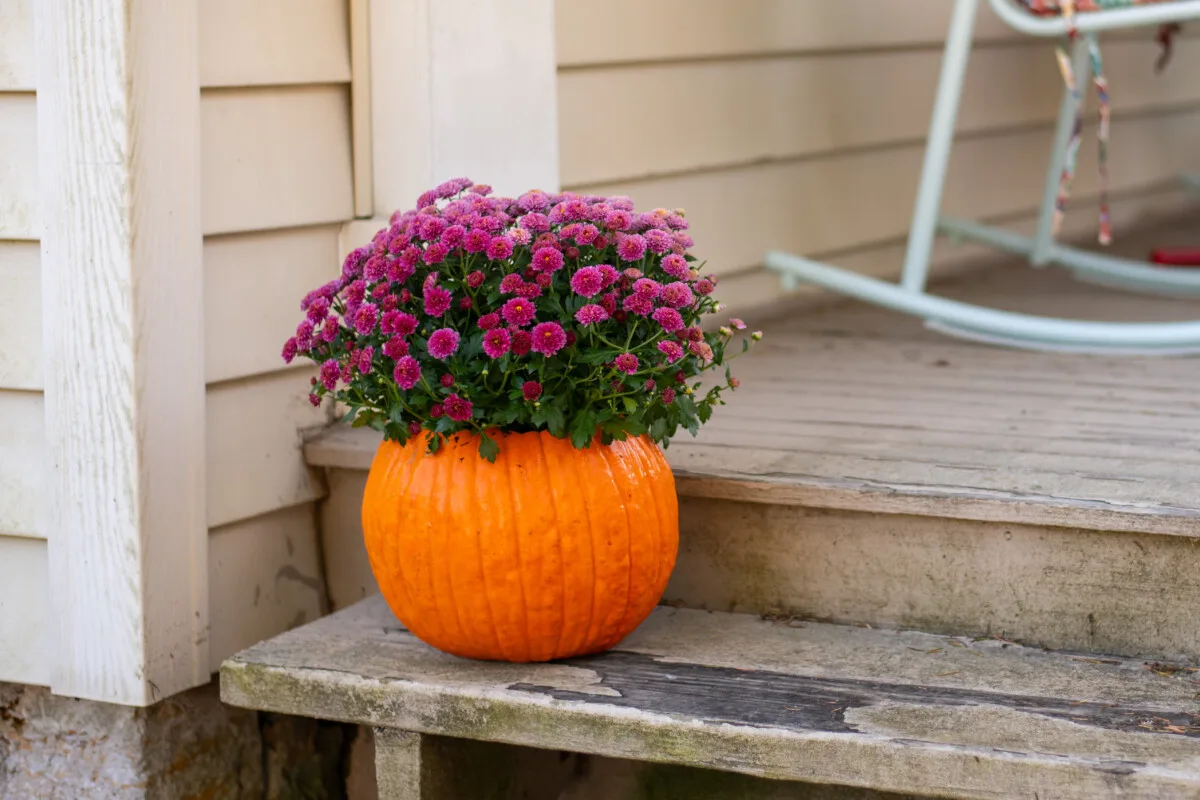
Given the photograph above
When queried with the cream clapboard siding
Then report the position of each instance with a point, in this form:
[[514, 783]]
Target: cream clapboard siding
[[277, 184], [799, 124]]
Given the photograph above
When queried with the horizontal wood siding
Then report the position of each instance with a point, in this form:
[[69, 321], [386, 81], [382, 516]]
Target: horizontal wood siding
[[24, 611], [22, 463], [799, 125], [264, 578], [267, 42]]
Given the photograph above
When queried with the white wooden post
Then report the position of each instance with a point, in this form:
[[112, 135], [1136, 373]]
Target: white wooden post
[[462, 88], [118, 156]]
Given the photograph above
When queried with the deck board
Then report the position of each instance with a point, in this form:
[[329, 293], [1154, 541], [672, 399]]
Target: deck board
[[893, 711]]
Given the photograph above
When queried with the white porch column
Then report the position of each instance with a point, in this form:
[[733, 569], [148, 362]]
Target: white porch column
[[462, 88], [118, 157]]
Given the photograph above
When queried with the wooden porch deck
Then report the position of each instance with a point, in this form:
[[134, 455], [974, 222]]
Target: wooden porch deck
[[854, 407]]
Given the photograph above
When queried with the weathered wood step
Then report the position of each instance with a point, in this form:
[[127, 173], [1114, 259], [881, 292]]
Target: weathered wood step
[[891, 711], [1057, 572]]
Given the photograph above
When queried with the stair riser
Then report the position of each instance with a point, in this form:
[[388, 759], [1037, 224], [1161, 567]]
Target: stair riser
[[1102, 592], [1105, 592]]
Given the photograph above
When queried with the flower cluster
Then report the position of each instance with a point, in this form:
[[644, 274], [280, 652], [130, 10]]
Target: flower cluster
[[559, 312]]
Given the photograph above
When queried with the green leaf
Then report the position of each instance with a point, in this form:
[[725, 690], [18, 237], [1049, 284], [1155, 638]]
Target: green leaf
[[658, 429], [488, 448], [349, 415], [556, 422], [630, 405], [583, 427]]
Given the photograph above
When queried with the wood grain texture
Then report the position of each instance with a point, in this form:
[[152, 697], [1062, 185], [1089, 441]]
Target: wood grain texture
[[276, 157], [253, 283], [744, 111], [20, 316], [25, 621], [901, 712], [255, 464], [265, 578], [118, 120]]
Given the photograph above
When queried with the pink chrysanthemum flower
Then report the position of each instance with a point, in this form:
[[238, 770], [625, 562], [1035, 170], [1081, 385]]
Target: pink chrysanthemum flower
[[650, 385], [511, 284], [676, 222], [481, 189], [671, 350], [531, 390], [489, 224], [518, 311], [610, 274], [355, 293], [476, 279], [547, 259], [682, 241], [375, 268], [329, 330], [535, 200], [476, 241], [621, 202], [315, 400], [437, 411], [365, 319], [647, 288], [520, 236], [443, 343], [437, 301], [587, 234], [489, 321], [704, 286], [500, 248], [618, 220], [631, 247], [453, 236], [701, 349], [363, 361], [395, 347], [446, 380], [626, 362], [668, 395], [496, 342], [457, 408], [590, 315], [521, 341], [534, 223], [289, 350], [407, 373], [304, 335], [737, 324], [431, 228], [657, 241], [548, 338], [669, 318], [330, 372], [587, 282], [410, 257], [677, 295], [636, 304], [435, 254]]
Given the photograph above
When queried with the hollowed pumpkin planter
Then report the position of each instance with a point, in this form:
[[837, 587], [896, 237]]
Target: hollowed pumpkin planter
[[548, 553]]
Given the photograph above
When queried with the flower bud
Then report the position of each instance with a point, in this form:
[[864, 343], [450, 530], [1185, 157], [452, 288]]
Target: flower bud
[[725, 331], [756, 336]]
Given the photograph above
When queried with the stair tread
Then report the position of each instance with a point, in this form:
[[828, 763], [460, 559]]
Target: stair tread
[[894, 711], [754, 473]]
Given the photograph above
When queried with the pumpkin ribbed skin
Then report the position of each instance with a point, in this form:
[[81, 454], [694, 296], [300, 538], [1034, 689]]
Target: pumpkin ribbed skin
[[550, 552]]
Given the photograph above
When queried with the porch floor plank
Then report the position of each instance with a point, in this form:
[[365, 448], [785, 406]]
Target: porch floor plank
[[894, 711]]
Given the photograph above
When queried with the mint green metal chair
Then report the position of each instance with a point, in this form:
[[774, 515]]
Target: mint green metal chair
[[1004, 327]]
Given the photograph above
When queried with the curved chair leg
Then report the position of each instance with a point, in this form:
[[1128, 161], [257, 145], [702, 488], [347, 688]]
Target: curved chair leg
[[1117, 273], [986, 324]]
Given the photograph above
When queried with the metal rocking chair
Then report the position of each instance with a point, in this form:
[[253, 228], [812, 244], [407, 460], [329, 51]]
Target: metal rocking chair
[[1003, 327]]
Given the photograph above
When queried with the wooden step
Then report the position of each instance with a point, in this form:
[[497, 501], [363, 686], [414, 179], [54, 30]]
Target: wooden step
[[930, 561], [828, 704]]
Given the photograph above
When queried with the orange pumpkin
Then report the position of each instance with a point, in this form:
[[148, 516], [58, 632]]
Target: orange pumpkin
[[550, 552]]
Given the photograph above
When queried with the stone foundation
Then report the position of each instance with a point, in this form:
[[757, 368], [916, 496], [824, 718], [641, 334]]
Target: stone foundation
[[189, 747]]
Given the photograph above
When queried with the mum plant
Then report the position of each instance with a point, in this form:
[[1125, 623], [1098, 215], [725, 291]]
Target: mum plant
[[572, 314]]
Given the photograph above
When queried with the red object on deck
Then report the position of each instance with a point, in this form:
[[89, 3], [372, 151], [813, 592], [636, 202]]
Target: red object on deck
[[1176, 257]]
